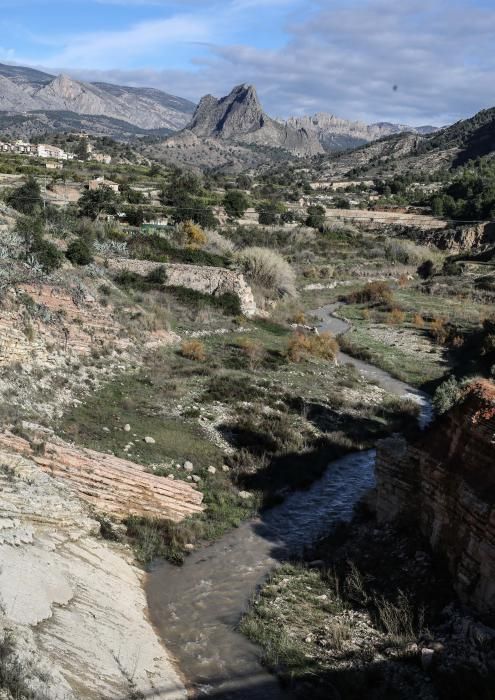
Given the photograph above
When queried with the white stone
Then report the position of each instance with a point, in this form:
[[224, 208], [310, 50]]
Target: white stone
[[149, 440], [127, 428], [196, 478], [106, 430], [188, 466], [212, 470], [245, 495], [225, 468]]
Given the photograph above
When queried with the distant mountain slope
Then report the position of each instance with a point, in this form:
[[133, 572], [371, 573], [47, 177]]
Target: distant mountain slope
[[335, 133], [28, 90], [447, 148]]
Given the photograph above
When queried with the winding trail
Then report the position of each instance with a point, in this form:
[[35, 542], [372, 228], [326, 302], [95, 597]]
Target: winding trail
[[195, 608]]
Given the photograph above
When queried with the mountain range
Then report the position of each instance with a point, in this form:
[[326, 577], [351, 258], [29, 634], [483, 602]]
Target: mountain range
[[450, 147], [33, 102], [25, 91]]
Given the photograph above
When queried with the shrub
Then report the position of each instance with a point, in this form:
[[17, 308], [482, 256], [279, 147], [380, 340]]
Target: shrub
[[193, 350], [268, 269], [372, 293], [47, 254], [438, 331], [253, 350], [193, 234], [301, 345], [418, 321], [396, 317], [157, 276], [79, 252], [235, 203], [299, 318], [27, 198], [446, 395]]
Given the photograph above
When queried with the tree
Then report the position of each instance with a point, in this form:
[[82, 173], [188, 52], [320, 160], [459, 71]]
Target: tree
[[27, 198], [79, 252], [244, 182], [134, 216], [81, 150], [235, 203], [316, 216], [93, 203]]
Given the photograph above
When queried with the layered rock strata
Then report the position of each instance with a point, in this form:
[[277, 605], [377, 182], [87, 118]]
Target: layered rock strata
[[444, 483]]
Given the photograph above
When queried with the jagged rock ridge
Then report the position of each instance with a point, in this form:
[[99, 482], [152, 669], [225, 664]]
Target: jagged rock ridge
[[239, 117]]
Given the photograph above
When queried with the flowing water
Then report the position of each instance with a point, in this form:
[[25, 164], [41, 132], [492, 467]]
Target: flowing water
[[195, 608]]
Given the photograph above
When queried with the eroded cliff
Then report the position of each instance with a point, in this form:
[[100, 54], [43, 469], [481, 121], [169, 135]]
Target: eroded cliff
[[443, 482]]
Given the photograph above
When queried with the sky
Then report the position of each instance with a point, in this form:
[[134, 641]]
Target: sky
[[408, 61]]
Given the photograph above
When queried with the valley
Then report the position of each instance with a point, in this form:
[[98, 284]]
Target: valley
[[247, 400]]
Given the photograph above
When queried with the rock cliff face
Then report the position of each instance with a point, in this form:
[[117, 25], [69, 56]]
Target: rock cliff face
[[239, 117], [205, 279], [444, 483]]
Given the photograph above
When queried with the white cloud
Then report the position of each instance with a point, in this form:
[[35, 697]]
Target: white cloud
[[340, 56]]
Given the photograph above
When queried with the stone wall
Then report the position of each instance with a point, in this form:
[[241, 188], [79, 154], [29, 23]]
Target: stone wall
[[444, 483], [205, 279]]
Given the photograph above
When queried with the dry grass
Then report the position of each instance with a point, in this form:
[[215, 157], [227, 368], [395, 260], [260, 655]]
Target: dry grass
[[193, 350], [301, 345], [396, 317], [253, 350]]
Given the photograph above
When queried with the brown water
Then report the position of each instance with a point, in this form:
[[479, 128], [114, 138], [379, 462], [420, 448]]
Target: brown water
[[196, 607]]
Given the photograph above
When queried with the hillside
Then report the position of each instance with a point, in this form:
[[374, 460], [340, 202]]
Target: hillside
[[447, 148], [26, 90], [336, 134]]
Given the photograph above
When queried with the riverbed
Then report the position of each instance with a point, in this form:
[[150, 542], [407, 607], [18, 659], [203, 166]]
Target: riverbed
[[196, 607]]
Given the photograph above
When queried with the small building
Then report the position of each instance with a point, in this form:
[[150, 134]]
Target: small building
[[99, 182], [102, 158], [46, 150], [53, 165]]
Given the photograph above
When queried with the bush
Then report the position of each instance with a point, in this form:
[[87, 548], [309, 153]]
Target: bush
[[79, 252], [418, 321], [253, 350], [396, 317], [438, 331], [193, 350], [446, 395], [301, 345], [372, 293], [268, 269], [193, 234], [47, 254], [235, 203], [26, 198]]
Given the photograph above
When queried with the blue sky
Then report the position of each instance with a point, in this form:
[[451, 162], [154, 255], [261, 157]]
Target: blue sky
[[304, 56]]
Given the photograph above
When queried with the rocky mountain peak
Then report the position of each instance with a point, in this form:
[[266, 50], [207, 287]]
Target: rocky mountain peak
[[236, 114]]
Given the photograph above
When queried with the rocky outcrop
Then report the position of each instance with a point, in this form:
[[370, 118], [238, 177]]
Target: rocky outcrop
[[117, 487], [71, 602], [205, 279], [459, 239], [239, 117], [443, 482]]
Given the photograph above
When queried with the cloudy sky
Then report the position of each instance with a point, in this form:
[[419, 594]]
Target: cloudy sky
[[411, 61]]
